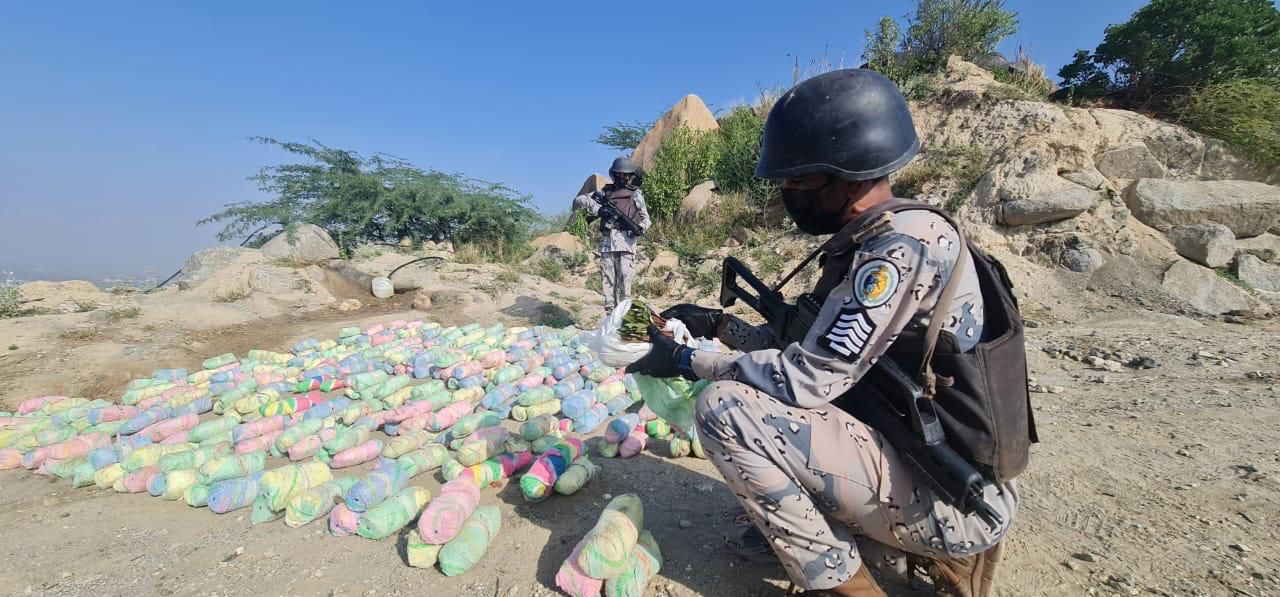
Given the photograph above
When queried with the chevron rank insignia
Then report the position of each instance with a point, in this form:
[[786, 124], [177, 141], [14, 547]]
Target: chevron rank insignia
[[849, 334]]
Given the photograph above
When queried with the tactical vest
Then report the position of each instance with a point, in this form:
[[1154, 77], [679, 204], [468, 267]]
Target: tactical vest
[[985, 405], [623, 198]]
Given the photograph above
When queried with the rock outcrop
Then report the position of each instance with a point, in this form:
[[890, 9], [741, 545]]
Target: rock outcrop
[[593, 183], [557, 245], [689, 112], [1209, 244], [1258, 274], [1204, 289], [1247, 208], [203, 264], [307, 244], [699, 198]]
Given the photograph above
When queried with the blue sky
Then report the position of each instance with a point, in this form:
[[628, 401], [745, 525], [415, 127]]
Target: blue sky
[[122, 123]]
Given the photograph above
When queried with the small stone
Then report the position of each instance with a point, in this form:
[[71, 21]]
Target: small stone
[[1071, 565], [1236, 319], [684, 524], [319, 573], [1031, 323], [1095, 361], [608, 496], [1113, 366], [239, 550], [1056, 389], [1143, 362], [1240, 547], [66, 575], [1083, 556]]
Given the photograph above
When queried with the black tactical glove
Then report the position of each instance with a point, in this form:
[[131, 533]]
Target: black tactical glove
[[701, 321], [667, 358]]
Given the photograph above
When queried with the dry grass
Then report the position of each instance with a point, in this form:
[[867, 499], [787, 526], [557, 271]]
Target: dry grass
[[232, 295]]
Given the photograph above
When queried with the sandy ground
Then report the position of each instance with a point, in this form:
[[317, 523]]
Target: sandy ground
[[1162, 481]]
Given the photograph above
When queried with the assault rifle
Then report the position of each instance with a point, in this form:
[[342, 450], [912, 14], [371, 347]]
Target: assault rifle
[[611, 216], [909, 419]]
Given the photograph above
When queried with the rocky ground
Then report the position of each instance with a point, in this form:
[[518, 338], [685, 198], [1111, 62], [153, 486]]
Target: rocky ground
[[1158, 470]]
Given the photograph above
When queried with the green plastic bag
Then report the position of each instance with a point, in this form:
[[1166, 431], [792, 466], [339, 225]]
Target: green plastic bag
[[672, 399]]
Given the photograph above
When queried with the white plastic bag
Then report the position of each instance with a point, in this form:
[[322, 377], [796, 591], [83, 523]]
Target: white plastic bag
[[616, 352]]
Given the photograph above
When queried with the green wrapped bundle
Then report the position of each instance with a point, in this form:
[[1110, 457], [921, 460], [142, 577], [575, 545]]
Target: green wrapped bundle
[[234, 395], [54, 435], [424, 460], [294, 434], [394, 513], [421, 554], [431, 386], [678, 446], [211, 428], [83, 474], [658, 429], [346, 439], [481, 446], [389, 387], [230, 466], [546, 442], [466, 550], [107, 428], [524, 413], [61, 406], [221, 360], [539, 426], [606, 550], [438, 399], [280, 485], [191, 459], [176, 483], [406, 442], [151, 454], [354, 411], [536, 395], [470, 423], [252, 404], [316, 502], [196, 496], [576, 476], [368, 380], [213, 440], [645, 563], [508, 374], [64, 469]]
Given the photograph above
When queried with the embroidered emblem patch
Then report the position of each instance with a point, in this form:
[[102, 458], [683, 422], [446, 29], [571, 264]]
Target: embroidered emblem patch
[[849, 334], [875, 282]]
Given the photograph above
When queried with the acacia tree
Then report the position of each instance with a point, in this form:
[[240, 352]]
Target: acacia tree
[[624, 135], [378, 199]]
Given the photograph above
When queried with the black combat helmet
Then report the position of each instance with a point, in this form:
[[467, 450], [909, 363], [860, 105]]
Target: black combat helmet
[[622, 165], [850, 123]]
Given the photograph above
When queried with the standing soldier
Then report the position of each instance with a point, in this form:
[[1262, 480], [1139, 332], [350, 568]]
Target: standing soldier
[[623, 219], [804, 429]]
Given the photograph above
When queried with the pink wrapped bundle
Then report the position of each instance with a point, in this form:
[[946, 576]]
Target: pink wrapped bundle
[[374, 330], [308, 446], [444, 516], [407, 411], [447, 416], [358, 455], [529, 381], [380, 339], [574, 581], [262, 443], [137, 481], [78, 446], [253, 429], [401, 370], [633, 444], [29, 406], [264, 378], [342, 521], [177, 391], [491, 359], [536, 484], [647, 415], [466, 369], [162, 429], [109, 414], [10, 458], [7, 421], [177, 438], [397, 324], [46, 466], [33, 459]]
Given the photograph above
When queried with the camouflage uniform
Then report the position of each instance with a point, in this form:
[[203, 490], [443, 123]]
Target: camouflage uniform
[[810, 475], [617, 250]]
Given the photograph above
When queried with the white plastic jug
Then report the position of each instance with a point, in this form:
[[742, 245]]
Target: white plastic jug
[[382, 287]]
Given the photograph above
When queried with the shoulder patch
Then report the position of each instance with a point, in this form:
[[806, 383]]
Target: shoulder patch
[[876, 282], [849, 333]]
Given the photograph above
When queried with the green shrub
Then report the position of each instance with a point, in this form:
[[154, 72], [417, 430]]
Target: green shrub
[[652, 288], [936, 30], [578, 226], [594, 284], [549, 268], [10, 300], [739, 151], [1029, 78], [124, 313], [577, 260], [955, 169], [232, 295], [1244, 113], [684, 159], [693, 240]]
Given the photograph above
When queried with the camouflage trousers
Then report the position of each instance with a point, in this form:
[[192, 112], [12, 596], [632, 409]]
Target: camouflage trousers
[[813, 479], [618, 269]]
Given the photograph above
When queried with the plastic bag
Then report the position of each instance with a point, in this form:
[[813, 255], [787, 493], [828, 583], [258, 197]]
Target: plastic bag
[[616, 352], [672, 399]]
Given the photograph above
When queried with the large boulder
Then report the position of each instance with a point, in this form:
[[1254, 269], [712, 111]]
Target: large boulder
[[273, 280], [554, 245], [203, 264], [594, 183], [690, 112], [1204, 289], [1258, 274], [664, 261], [307, 244], [1207, 244], [1130, 162], [699, 198], [1265, 247], [1247, 208]]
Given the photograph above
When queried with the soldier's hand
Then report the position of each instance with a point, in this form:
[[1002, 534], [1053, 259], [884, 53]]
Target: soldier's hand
[[701, 321], [664, 359]]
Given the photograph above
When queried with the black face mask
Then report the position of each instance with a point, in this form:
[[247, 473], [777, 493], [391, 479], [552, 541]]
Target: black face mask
[[802, 206]]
